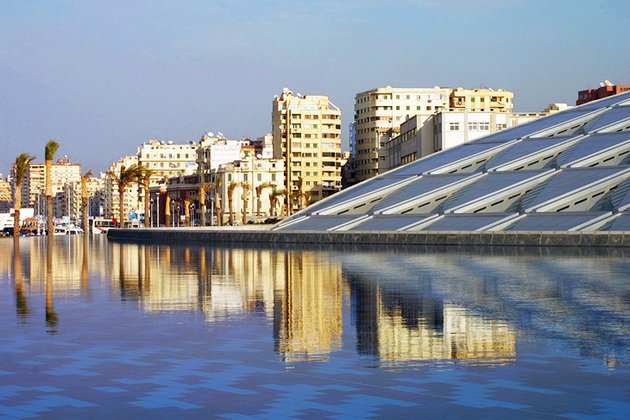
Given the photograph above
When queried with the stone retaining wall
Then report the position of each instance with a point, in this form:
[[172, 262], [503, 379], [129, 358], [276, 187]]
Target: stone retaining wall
[[578, 239]]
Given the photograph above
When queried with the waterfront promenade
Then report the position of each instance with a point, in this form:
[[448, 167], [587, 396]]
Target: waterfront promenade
[[264, 234]]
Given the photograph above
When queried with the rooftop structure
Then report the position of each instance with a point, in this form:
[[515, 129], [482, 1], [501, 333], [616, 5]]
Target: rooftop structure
[[569, 171]]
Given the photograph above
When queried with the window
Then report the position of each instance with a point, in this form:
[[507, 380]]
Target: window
[[397, 107], [273, 177], [408, 107], [429, 108], [418, 108], [473, 126], [259, 177], [472, 99], [397, 96], [229, 177], [454, 126], [245, 177], [408, 97], [484, 126]]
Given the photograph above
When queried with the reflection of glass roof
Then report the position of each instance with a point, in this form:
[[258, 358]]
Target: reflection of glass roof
[[566, 181], [556, 221], [612, 116], [391, 222], [491, 183], [528, 147], [321, 223], [622, 222], [466, 153], [592, 145], [467, 222], [419, 187]]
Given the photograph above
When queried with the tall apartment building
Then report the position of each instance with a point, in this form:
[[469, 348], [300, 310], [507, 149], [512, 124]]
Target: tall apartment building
[[168, 159], [380, 112], [306, 134], [62, 173], [111, 199], [6, 195]]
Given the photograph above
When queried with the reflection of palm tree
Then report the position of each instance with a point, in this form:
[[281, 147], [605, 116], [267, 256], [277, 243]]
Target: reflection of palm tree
[[84, 201], [21, 304], [126, 177], [245, 196], [20, 168], [84, 265], [259, 190], [230, 194], [49, 153], [52, 320], [143, 177]]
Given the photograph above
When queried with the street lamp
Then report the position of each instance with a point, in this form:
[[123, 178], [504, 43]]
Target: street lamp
[[192, 215], [157, 210], [150, 212], [173, 213]]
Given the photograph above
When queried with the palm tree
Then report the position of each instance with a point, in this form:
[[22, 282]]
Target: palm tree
[[300, 195], [123, 179], [259, 189], [245, 196], [274, 196], [218, 183], [230, 193], [143, 177], [21, 166], [204, 188], [49, 154], [84, 201]]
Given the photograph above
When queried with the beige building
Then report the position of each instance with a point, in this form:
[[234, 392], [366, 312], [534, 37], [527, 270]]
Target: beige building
[[261, 175], [380, 112], [425, 134], [307, 136], [168, 159], [111, 199], [214, 151], [6, 195]]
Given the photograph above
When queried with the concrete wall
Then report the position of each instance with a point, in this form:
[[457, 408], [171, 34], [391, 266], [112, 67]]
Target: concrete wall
[[575, 239]]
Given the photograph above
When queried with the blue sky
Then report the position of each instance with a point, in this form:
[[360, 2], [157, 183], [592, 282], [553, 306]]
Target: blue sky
[[101, 77]]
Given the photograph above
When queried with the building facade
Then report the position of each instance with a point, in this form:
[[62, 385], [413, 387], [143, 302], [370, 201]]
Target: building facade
[[307, 137], [168, 159], [214, 151], [380, 112], [111, 198]]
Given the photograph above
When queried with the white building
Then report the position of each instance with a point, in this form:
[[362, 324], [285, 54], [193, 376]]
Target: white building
[[168, 159], [424, 134], [214, 151]]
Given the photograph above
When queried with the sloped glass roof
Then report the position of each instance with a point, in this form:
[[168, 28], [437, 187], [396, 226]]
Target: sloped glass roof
[[493, 182], [466, 222], [533, 127], [566, 181], [593, 145], [419, 187], [621, 196], [612, 116], [555, 221], [465, 154], [529, 147], [321, 223], [621, 99], [622, 222], [389, 222], [366, 187]]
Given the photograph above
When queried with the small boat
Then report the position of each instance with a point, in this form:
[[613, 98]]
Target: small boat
[[68, 230]]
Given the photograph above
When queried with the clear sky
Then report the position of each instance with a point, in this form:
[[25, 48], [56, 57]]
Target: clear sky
[[101, 77]]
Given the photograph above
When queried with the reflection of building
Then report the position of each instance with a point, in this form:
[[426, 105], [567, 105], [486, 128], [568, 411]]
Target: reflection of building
[[401, 327], [310, 325]]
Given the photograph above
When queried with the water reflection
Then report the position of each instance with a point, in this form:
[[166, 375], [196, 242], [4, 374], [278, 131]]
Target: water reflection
[[405, 306]]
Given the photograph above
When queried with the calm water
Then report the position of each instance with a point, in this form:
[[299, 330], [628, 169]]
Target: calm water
[[105, 329]]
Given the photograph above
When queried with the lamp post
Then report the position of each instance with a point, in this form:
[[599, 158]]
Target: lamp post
[[192, 215], [173, 213], [150, 211], [157, 210]]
